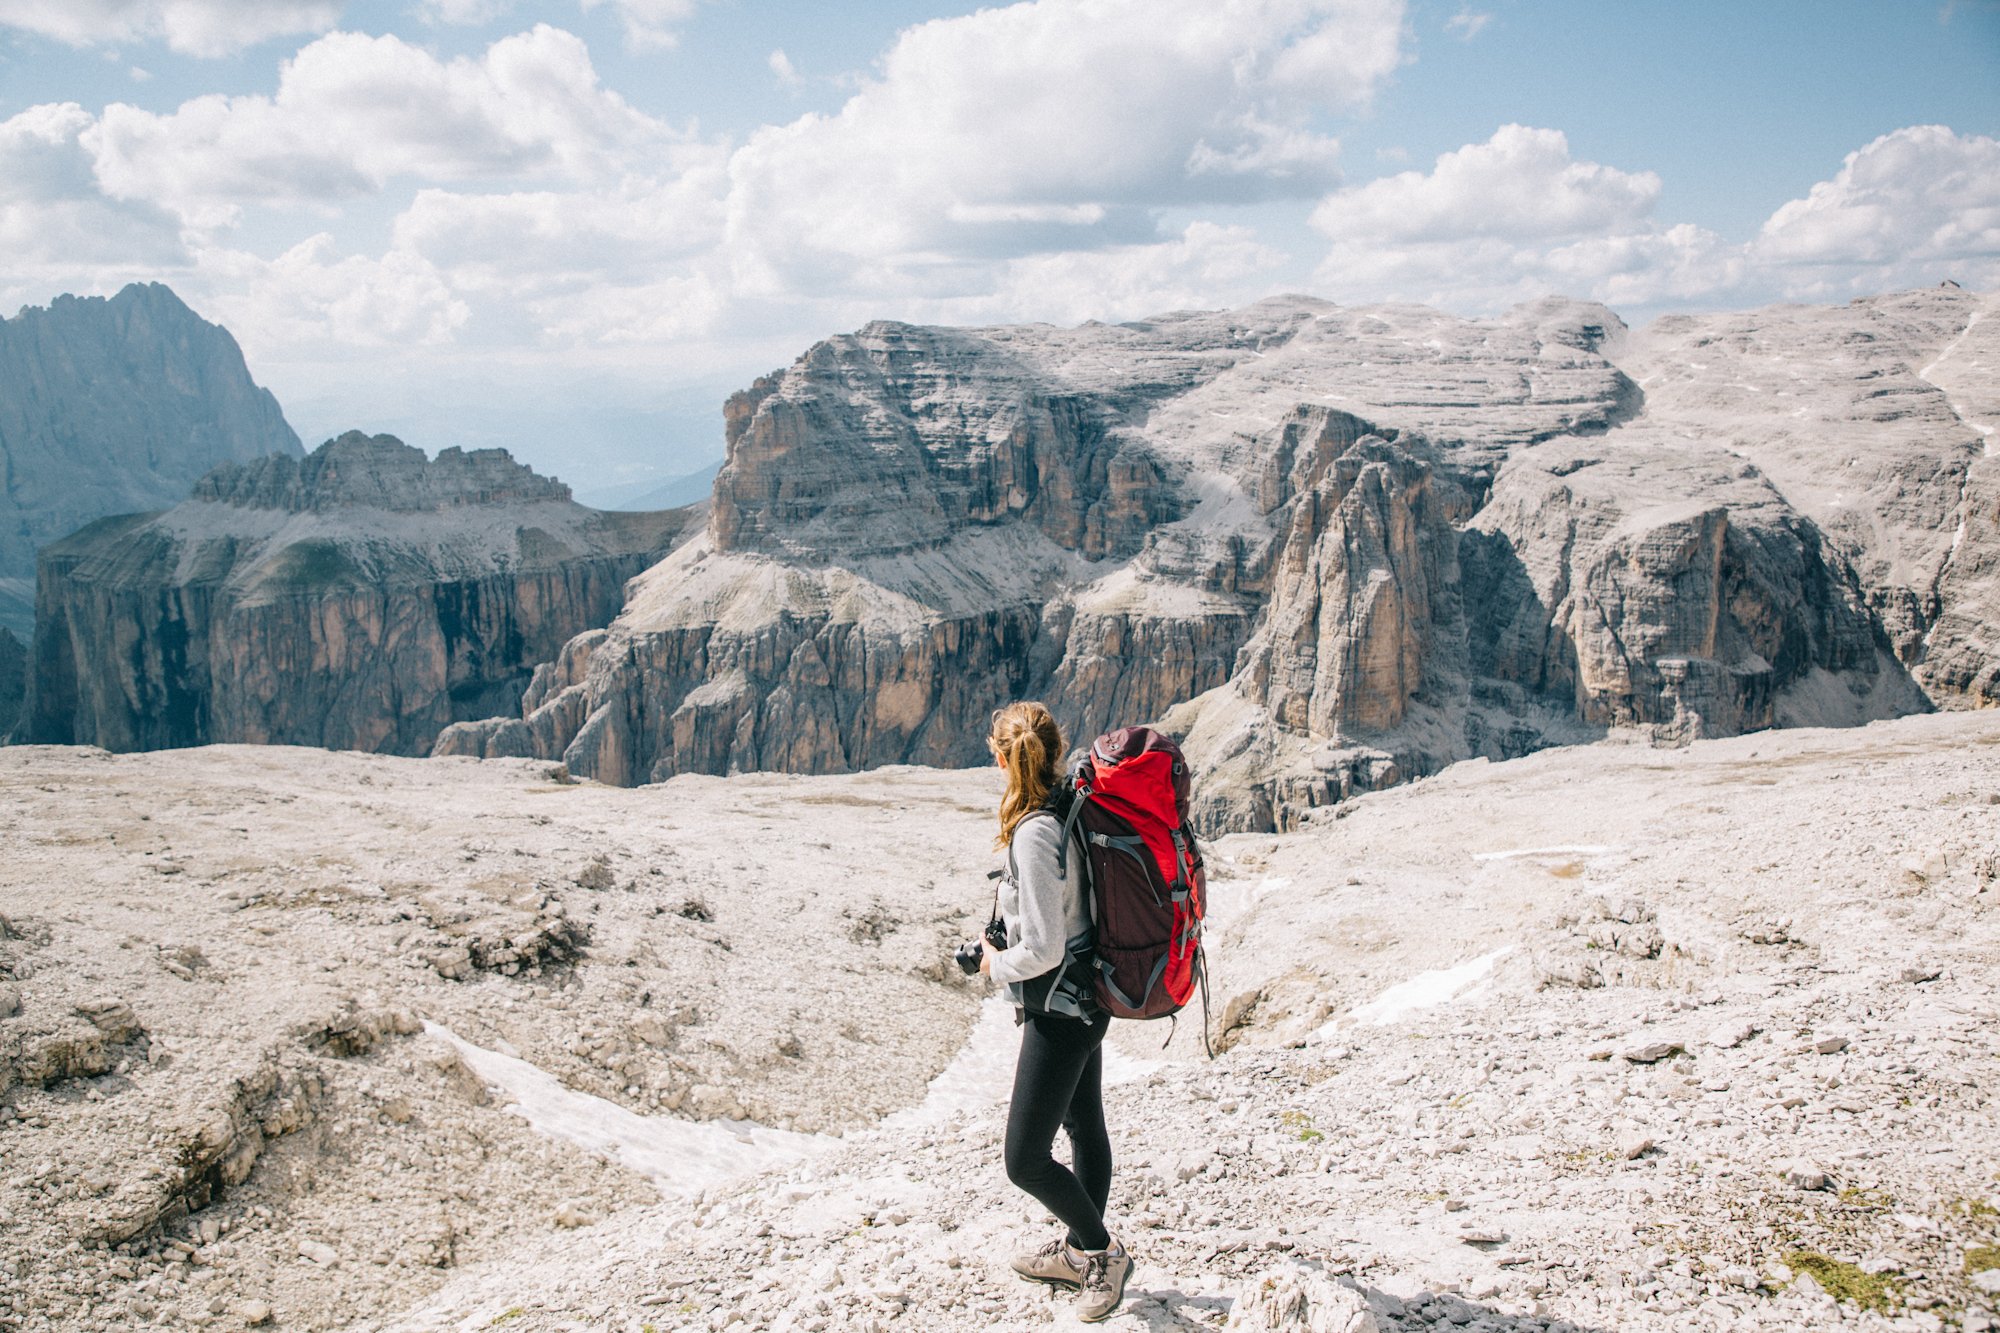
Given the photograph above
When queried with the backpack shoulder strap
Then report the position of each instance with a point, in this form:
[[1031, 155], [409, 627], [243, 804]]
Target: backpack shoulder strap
[[1070, 835]]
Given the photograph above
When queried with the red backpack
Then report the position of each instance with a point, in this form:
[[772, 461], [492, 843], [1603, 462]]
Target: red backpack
[[1128, 812]]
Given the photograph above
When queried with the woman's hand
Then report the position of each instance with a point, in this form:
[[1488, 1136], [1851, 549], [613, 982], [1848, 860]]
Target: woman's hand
[[985, 958]]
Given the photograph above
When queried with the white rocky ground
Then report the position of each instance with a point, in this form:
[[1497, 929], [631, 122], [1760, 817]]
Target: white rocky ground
[[1596, 1039]]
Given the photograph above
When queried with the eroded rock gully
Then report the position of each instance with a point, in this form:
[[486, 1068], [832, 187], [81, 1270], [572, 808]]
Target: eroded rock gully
[[1335, 549]]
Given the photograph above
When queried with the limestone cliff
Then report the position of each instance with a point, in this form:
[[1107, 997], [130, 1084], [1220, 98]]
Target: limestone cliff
[[1875, 420], [13, 679], [1333, 548], [914, 525], [113, 407], [362, 597]]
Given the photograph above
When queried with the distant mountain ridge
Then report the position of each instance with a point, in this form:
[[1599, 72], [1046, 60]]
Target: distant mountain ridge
[[672, 493], [362, 597], [113, 406]]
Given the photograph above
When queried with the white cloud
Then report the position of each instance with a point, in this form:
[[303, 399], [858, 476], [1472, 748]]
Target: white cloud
[[1057, 125], [781, 65], [1518, 217], [1511, 218], [352, 112], [193, 27], [1908, 207], [649, 24], [463, 11], [54, 218], [309, 295], [1467, 23], [1520, 184], [542, 236], [1207, 264]]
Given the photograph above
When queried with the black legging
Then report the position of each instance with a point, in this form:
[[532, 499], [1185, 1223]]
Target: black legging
[[1060, 1081]]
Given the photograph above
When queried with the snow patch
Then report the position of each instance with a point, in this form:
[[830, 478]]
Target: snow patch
[[681, 1157], [1426, 990], [1580, 849]]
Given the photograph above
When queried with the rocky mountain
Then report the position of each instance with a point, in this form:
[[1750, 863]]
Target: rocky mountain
[[114, 406], [362, 597], [1335, 548]]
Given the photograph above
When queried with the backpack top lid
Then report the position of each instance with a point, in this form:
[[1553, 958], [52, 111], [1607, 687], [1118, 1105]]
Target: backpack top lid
[[1141, 776]]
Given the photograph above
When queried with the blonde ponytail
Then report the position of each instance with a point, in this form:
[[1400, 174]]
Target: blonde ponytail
[[1029, 744]]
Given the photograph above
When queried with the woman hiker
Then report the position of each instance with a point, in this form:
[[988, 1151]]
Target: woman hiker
[[1060, 1077]]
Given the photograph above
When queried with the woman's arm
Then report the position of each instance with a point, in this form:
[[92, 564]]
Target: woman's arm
[[1043, 920]]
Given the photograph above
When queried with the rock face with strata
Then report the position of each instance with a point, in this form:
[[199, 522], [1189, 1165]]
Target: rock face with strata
[[1333, 548], [362, 597], [1875, 420], [114, 407], [13, 679]]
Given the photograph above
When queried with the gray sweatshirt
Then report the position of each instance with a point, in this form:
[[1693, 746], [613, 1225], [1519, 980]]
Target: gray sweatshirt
[[1043, 910]]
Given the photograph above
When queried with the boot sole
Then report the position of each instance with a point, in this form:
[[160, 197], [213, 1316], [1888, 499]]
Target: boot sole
[[1047, 1281]]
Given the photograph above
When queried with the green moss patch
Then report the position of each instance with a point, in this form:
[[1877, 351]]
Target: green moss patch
[[1982, 1257], [1845, 1282]]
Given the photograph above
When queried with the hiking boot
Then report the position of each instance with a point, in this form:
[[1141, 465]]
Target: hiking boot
[[1055, 1263], [1103, 1286]]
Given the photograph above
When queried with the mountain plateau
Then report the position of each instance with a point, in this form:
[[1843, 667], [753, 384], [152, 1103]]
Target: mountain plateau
[[1334, 548]]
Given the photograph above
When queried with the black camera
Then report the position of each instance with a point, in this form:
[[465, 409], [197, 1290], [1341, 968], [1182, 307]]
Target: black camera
[[968, 953]]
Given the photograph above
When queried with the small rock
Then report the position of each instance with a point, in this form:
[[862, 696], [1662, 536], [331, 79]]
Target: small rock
[[453, 963], [10, 1002], [1575, 973], [1481, 1236], [1927, 868], [1298, 1299], [319, 1252], [1769, 931], [1633, 1146], [1740, 1275], [597, 875], [1731, 1035], [571, 1215], [1830, 1045], [114, 1018], [1988, 1281], [1805, 1176], [255, 1314], [1918, 973], [1653, 1052], [1193, 1164]]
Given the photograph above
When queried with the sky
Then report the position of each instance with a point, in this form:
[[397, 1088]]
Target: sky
[[572, 228]]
